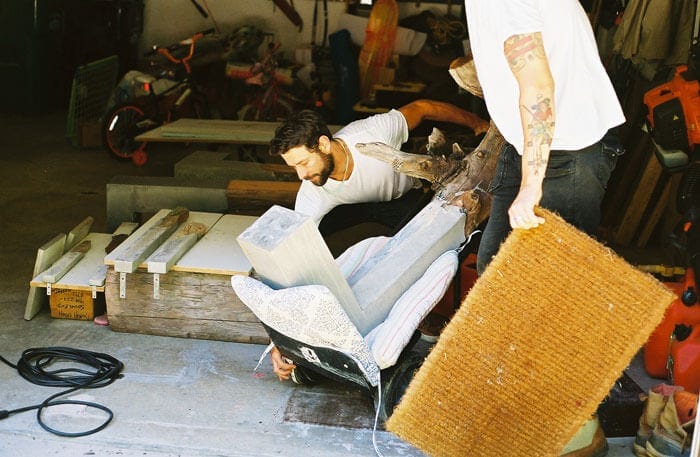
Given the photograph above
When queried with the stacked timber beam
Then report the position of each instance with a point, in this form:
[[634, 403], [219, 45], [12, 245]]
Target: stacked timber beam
[[172, 278]]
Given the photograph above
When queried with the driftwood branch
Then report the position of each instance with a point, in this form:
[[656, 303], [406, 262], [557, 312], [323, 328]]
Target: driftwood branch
[[420, 166], [460, 179]]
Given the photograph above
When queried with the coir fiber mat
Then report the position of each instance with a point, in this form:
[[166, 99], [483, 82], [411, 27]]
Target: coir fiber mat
[[535, 347]]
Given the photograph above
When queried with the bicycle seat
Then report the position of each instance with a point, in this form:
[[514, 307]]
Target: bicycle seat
[[145, 79]]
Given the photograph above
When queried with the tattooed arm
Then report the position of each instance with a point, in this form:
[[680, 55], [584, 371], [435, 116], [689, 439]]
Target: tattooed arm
[[528, 62]]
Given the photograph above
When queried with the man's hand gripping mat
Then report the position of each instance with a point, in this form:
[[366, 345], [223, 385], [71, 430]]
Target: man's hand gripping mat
[[534, 348]]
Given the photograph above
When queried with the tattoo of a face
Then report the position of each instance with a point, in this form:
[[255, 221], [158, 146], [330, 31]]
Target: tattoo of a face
[[520, 49]]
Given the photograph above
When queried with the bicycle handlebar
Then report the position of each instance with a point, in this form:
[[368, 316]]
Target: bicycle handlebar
[[167, 51]]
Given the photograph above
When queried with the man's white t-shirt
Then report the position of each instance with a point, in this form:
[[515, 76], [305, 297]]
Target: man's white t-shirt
[[371, 180], [585, 103]]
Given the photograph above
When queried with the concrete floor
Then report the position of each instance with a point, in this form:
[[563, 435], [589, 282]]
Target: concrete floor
[[178, 397]]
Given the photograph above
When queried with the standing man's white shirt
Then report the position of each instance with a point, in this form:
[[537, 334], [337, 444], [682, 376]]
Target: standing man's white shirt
[[371, 180], [582, 84]]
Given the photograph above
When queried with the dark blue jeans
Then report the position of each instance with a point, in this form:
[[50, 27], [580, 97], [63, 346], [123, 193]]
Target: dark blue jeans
[[573, 187]]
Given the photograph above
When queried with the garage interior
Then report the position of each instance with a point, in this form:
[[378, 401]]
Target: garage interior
[[198, 394]]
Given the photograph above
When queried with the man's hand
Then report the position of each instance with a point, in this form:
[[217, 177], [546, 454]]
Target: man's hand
[[522, 212], [281, 368]]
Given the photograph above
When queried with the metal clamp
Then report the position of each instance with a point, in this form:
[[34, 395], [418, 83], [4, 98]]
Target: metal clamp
[[122, 285], [156, 286]]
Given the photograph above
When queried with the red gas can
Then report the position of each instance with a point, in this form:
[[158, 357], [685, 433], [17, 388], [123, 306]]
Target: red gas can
[[685, 361], [685, 310]]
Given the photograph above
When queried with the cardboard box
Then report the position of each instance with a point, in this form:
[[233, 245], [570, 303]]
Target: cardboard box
[[75, 304], [90, 134]]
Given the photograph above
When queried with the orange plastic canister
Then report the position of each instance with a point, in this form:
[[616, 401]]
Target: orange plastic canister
[[658, 346], [685, 361]]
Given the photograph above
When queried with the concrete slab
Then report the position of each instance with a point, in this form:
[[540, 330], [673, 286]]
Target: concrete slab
[[219, 166], [177, 397], [128, 196]]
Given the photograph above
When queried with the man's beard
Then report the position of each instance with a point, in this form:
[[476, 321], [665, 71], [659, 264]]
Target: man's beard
[[321, 177]]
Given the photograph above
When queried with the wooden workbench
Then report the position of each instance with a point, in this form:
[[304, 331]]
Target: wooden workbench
[[215, 131]]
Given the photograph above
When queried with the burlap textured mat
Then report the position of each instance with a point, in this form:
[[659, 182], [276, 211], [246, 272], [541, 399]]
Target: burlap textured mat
[[535, 347]]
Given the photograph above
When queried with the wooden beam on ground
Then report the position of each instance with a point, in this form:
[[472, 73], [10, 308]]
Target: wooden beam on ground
[[45, 256]]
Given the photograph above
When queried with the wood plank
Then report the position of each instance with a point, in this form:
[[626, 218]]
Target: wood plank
[[278, 168], [218, 252], [78, 232], [125, 228], [45, 256], [652, 220], [65, 263], [98, 275], [167, 254], [78, 277], [216, 130], [138, 248], [640, 199], [250, 192], [192, 305], [119, 250]]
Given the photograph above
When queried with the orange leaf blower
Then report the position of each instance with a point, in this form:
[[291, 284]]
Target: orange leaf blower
[[674, 111]]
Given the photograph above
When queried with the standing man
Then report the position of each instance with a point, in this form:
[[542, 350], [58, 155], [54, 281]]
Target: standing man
[[334, 172], [549, 95]]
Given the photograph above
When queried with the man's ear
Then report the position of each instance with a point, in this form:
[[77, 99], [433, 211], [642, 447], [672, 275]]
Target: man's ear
[[324, 144]]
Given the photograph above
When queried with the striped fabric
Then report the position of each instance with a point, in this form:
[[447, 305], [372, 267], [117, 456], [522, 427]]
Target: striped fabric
[[388, 339]]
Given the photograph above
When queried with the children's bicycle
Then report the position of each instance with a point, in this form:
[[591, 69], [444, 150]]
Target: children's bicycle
[[183, 96], [268, 99]]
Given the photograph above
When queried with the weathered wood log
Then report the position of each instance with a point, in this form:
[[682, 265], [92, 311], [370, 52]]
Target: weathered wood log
[[458, 177], [462, 182]]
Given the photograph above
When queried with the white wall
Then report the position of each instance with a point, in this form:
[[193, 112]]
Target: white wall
[[167, 21]]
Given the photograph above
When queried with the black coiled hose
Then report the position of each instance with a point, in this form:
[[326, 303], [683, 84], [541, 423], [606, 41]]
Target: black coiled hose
[[79, 369]]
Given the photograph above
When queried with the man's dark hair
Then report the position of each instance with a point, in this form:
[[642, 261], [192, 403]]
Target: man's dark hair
[[300, 129]]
